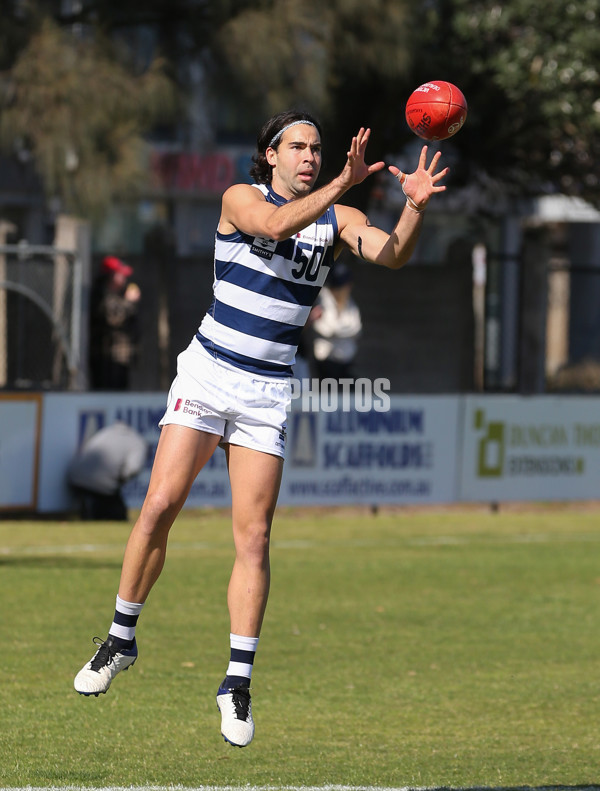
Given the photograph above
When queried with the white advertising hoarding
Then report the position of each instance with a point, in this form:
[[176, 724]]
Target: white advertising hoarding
[[420, 449], [70, 418], [536, 448], [19, 438], [405, 454]]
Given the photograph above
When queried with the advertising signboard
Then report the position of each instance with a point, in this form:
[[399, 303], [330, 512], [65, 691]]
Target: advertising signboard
[[399, 455], [404, 454], [19, 446], [538, 448], [70, 418], [416, 450]]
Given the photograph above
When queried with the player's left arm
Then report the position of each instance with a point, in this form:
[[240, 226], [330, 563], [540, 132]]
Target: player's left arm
[[395, 249]]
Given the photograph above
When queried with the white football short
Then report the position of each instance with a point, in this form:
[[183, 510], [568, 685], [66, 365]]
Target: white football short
[[241, 407]]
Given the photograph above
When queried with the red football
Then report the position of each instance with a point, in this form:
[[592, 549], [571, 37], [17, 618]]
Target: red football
[[436, 110]]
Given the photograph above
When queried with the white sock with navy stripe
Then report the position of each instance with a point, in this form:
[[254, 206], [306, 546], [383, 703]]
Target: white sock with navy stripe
[[241, 660], [124, 622]]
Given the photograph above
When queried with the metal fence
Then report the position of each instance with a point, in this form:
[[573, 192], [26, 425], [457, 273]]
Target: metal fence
[[40, 317]]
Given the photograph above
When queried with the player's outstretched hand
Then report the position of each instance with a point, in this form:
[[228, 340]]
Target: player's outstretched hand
[[356, 169], [423, 183]]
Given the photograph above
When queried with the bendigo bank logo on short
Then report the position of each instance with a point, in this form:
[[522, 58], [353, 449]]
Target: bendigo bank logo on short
[[189, 407]]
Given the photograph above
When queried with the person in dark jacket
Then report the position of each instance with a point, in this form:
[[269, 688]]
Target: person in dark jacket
[[114, 332]]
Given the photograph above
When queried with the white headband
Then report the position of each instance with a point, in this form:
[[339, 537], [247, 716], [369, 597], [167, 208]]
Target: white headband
[[285, 128]]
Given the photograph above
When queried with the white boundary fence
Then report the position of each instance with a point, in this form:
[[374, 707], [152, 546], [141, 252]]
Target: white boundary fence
[[423, 450]]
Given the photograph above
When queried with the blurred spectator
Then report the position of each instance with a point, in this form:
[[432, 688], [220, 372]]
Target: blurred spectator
[[114, 331], [106, 461], [338, 327], [304, 354]]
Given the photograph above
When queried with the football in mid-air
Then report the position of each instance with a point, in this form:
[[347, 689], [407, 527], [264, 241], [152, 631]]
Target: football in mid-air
[[436, 110]]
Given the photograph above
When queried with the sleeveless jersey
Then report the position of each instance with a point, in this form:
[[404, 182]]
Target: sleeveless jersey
[[263, 292]]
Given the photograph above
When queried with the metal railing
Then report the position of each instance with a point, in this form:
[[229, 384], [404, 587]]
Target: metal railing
[[40, 317]]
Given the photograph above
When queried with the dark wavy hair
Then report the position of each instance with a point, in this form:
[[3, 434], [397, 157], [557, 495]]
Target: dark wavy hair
[[261, 171]]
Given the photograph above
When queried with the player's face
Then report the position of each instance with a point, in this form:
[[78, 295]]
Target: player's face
[[296, 162]]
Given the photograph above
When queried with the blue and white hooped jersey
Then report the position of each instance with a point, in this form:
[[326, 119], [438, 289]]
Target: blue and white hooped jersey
[[263, 293]]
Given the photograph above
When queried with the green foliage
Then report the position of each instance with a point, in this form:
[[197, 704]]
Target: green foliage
[[529, 70], [302, 51], [452, 649], [345, 61], [531, 74], [82, 114]]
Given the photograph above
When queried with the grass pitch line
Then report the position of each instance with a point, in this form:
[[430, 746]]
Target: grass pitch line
[[82, 549], [283, 544]]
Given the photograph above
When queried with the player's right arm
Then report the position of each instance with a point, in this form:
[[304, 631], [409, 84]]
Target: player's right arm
[[244, 208]]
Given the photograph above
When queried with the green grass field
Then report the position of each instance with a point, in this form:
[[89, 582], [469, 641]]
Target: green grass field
[[436, 648]]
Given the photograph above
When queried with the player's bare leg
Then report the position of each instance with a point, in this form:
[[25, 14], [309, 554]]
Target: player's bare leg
[[255, 480], [180, 455]]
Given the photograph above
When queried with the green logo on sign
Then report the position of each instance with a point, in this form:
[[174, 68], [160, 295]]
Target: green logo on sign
[[490, 449]]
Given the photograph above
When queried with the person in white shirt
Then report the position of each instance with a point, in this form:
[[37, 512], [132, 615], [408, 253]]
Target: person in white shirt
[[105, 462], [338, 326]]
